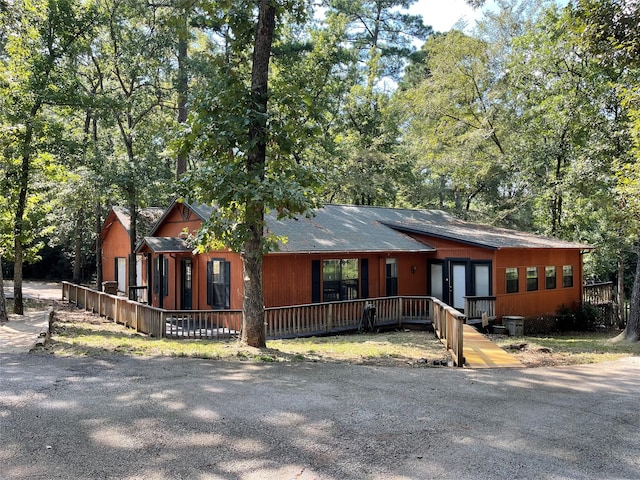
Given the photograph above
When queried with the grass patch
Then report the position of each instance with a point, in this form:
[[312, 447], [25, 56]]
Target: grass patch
[[393, 346], [80, 333], [570, 348], [103, 337]]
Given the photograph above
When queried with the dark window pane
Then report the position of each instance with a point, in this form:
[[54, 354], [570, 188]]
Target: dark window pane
[[550, 277], [512, 280], [567, 276], [532, 279], [340, 279]]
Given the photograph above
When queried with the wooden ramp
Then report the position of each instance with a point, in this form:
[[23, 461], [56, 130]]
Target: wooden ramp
[[480, 352]]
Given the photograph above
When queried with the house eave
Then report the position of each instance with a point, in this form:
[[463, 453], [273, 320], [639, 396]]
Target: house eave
[[417, 231], [348, 252]]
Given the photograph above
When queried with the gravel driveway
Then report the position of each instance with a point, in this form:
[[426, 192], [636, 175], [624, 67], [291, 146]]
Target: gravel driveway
[[118, 417]]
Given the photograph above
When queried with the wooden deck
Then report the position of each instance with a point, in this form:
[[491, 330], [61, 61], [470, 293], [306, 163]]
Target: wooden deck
[[480, 352]]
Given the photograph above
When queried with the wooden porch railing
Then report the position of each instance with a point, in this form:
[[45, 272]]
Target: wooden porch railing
[[331, 317], [447, 323], [280, 322], [474, 307], [157, 322]]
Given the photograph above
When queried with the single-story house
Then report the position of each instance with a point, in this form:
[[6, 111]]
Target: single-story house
[[115, 240], [347, 252]]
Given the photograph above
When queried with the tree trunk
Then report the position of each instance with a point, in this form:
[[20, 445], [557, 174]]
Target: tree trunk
[[18, 301], [182, 86], [253, 331], [620, 292], [133, 232], [3, 301], [21, 207], [632, 330], [253, 328], [77, 264], [98, 247]]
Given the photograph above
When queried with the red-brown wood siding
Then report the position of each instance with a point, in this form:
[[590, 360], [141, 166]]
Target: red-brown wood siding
[[115, 244], [412, 274], [173, 300], [287, 277], [542, 301], [450, 249], [176, 220]]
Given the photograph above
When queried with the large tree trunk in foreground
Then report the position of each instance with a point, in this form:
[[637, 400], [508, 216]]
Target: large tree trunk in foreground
[[253, 331]]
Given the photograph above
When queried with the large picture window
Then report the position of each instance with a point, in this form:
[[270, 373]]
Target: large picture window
[[219, 283], [512, 280], [340, 279]]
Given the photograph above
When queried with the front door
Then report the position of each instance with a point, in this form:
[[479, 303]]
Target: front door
[[187, 267], [121, 273], [458, 284]]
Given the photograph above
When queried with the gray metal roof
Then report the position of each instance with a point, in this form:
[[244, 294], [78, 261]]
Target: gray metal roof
[[352, 228], [336, 228], [147, 217], [360, 228], [165, 245]]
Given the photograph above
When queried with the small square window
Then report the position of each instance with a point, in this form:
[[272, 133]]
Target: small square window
[[550, 277], [532, 279], [567, 276], [512, 280]]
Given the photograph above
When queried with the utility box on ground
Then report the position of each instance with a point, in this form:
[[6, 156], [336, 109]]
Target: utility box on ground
[[514, 324], [110, 287]]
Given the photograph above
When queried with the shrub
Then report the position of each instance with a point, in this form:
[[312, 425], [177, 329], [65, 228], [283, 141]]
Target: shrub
[[582, 317]]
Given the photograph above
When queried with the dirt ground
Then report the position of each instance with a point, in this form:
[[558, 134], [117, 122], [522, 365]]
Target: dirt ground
[[531, 355]]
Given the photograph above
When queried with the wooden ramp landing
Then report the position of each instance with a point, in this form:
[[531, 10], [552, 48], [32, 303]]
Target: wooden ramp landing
[[480, 352]]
